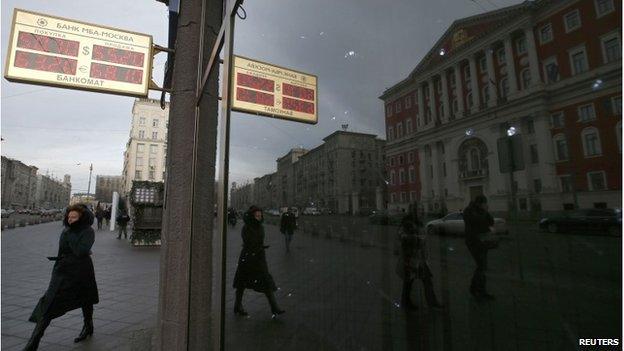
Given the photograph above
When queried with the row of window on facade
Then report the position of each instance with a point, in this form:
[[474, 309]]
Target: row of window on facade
[[151, 175], [578, 59], [142, 135], [155, 122]]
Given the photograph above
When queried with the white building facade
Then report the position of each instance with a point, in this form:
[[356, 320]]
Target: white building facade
[[146, 150]]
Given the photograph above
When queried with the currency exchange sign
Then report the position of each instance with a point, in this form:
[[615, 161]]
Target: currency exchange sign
[[273, 91], [54, 51]]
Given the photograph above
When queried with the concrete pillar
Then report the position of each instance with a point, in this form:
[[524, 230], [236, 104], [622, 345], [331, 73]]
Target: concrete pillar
[[459, 90], [546, 154], [421, 106], [355, 203], [436, 163], [533, 60], [432, 101], [379, 199], [425, 179], [492, 83], [445, 98], [512, 78], [474, 84], [114, 210]]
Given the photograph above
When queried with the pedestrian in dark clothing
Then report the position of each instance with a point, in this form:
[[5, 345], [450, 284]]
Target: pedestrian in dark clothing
[[122, 221], [73, 283], [288, 224], [413, 261], [478, 222], [107, 216], [99, 215], [252, 271]]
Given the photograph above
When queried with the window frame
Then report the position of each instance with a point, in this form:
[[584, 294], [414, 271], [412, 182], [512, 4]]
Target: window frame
[[504, 87], [607, 37], [408, 126], [545, 63], [584, 133], [561, 182], [408, 101], [390, 135], [397, 106], [411, 174], [501, 53], [590, 185], [541, 32], [483, 64], [399, 130], [572, 52], [598, 14], [615, 104], [520, 45], [568, 29], [556, 138], [561, 116], [580, 117], [525, 83]]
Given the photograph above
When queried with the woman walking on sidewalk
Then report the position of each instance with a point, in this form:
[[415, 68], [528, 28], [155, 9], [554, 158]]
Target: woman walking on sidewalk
[[252, 271], [413, 261], [73, 283]]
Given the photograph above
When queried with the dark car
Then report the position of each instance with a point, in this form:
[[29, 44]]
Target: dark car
[[599, 221]]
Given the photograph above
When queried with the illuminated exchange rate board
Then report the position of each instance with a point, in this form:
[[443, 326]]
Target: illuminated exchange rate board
[[269, 90], [54, 51]]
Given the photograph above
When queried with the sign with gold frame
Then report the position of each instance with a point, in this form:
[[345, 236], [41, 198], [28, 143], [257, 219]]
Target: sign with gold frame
[[273, 91], [54, 51]]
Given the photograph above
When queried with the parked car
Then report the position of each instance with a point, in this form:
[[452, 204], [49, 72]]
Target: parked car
[[366, 211], [7, 212], [453, 224], [311, 211], [599, 221], [386, 218], [272, 212]]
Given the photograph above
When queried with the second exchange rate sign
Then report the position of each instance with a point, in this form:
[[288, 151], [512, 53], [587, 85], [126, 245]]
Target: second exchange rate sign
[[273, 91], [54, 51]]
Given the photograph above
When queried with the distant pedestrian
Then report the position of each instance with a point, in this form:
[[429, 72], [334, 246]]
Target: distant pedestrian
[[122, 221], [73, 283], [288, 225], [252, 271], [413, 261], [107, 216], [478, 222], [99, 215]]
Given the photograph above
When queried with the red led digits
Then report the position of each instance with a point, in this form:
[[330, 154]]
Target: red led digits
[[44, 43], [254, 97], [255, 82], [124, 57], [298, 92], [298, 105], [38, 62], [116, 73]]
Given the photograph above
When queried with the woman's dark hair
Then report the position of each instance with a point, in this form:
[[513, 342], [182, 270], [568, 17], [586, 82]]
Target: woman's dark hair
[[480, 200], [80, 208]]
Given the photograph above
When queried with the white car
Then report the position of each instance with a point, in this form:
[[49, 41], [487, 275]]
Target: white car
[[453, 224], [311, 211]]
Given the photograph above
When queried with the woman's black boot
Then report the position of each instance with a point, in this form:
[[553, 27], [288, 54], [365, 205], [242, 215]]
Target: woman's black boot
[[37, 334], [238, 304], [87, 328], [274, 307]]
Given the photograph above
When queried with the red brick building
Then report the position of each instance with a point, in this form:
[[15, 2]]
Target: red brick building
[[549, 69]]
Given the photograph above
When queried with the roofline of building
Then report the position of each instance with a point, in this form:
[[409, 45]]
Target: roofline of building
[[463, 21]]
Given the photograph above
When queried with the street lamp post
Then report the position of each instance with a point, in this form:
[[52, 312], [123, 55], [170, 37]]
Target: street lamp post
[[89, 186]]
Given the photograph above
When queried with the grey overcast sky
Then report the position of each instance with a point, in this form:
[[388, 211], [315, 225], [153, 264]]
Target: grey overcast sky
[[357, 48]]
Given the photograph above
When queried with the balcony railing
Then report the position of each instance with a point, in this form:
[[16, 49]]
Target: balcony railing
[[473, 174]]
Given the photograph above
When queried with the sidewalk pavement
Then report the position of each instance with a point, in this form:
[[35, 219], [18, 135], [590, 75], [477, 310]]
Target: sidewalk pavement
[[342, 294]]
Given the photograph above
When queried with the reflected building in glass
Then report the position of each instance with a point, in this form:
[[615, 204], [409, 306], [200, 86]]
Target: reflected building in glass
[[343, 175], [552, 70]]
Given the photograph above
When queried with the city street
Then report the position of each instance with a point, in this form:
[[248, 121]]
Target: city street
[[341, 292]]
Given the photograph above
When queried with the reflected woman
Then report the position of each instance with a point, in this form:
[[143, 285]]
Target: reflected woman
[[73, 283], [252, 271]]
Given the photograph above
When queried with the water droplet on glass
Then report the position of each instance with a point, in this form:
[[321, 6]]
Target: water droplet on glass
[[451, 248], [470, 132], [346, 112], [597, 84], [368, 282], [442, 52], [289, 294], [396, 304], [322, 33], [302, 37], [333, 118], [350, 54]]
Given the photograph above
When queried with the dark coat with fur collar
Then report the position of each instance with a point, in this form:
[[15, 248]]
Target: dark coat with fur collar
[[73, 279], [252, 271]]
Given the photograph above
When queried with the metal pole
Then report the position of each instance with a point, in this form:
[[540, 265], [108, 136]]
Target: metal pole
[[114, 210], [89, 187], [512, 192]]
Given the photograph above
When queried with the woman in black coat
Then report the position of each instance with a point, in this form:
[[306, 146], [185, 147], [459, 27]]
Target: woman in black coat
[[73, 283], [252, 271]]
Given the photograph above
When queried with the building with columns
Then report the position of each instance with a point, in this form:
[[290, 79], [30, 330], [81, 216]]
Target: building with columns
[[551, 70]]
